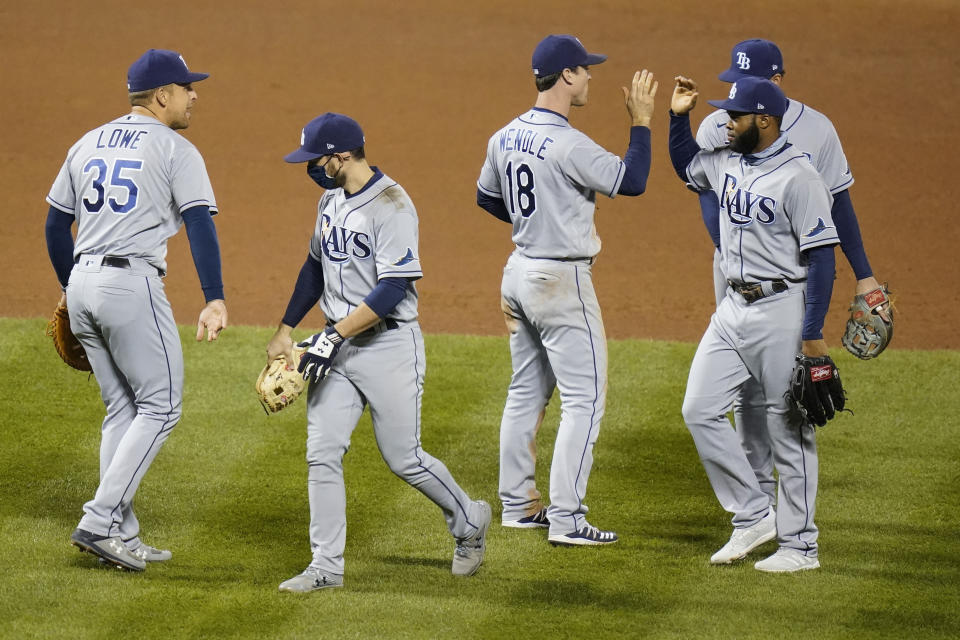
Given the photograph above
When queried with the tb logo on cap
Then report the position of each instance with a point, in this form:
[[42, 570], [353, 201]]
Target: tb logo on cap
[[742, 61], [733, 92]]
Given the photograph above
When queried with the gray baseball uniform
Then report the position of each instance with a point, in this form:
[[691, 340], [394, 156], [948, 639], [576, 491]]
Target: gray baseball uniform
[[359, 239], [773, 206], [812, 133], [548, 175], [126, 183]]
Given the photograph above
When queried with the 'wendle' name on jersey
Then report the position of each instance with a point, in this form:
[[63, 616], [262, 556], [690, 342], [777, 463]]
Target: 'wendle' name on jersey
[[743, 207], [120, 139], [340, 244], [525, 141]]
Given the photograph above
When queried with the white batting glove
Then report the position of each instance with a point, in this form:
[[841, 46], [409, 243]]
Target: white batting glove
[[322, 348]]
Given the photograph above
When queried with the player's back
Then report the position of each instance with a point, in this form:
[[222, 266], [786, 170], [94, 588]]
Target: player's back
[[547, 174], [807, 129], [126, 183]]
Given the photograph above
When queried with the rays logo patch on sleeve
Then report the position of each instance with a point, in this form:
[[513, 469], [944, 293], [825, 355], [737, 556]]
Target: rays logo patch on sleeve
[[817, 229], [406, 259]]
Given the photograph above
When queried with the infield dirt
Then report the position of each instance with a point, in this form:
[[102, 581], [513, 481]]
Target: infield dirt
[[431, 81]]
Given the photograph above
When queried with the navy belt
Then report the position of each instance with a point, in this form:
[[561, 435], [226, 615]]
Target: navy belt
[[388, 324], [753, 291], [117, 261]]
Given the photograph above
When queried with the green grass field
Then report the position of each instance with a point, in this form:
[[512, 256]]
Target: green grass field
[[228, 496]]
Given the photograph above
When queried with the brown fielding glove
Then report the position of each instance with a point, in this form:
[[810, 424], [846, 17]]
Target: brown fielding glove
[[870, 326], [277, 387], [66, 344]]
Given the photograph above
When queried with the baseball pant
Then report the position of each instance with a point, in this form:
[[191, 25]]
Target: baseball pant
[[556, 339], [385, 371], [757, 341], [126, 325], [749, 412]]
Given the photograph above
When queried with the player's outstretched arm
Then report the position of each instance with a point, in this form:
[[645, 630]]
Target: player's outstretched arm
[[684, 97], [213, 319], [639, 98]]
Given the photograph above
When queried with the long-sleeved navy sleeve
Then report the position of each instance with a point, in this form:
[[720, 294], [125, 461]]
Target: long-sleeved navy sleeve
[[710, 211], [848, 230], [821, 268], [60, 243], [493, 205], [636, 162], [682, 145], [205, 249], [306, 291], [387, 295]]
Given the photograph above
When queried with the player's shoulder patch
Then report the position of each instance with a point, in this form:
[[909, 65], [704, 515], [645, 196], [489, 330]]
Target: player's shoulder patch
[[817, 229], [407, 258]]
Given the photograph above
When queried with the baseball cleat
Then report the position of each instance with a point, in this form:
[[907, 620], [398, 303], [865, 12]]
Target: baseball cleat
[[787, 561], [312, 579], [110, 549], [151, 554], [147, 553], [537, 520], [587, 536], [746, 539], [468, 556]]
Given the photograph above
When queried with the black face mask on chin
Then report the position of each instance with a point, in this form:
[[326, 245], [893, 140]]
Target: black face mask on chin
[[319, 175]]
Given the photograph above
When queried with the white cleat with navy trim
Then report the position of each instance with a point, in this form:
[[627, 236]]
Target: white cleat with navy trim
[[587, 536]]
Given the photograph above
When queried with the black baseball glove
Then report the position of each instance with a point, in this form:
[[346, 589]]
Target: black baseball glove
[[815, 389]]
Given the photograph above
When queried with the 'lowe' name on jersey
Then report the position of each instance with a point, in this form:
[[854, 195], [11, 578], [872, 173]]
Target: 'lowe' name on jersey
[[773, 206], [548, 174], [126, 184], [361, 238]]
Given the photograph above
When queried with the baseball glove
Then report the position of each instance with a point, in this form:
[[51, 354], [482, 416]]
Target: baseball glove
[[278, 386], [815, 389], [870, 326], [68, 347]]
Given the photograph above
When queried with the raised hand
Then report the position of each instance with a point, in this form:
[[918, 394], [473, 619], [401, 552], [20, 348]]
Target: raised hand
[[684, 97], [639, 98]]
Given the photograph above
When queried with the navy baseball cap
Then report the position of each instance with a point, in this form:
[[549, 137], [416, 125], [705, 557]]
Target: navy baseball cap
[[751, 94], [558, 52], [760, 58], [325, 135], [159, 67]]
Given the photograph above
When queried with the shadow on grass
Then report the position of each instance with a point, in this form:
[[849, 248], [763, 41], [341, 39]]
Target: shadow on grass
[[414, 561]]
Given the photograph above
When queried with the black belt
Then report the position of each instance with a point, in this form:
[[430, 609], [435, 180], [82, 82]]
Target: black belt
[[389, 324], [754, 291], [119, 262]]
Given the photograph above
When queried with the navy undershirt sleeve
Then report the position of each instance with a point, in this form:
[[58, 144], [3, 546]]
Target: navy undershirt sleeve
[[848, 229], [205, 249], [60, 243], [636, 162], [682, 145], [493, 205], [306, 291], [386, 295], [710, 211], [821, 268]]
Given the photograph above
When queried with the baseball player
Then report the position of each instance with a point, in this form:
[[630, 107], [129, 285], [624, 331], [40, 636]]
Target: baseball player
[[129, 185], [542, 176], [776, 242], [362, 264], [812, 133]]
